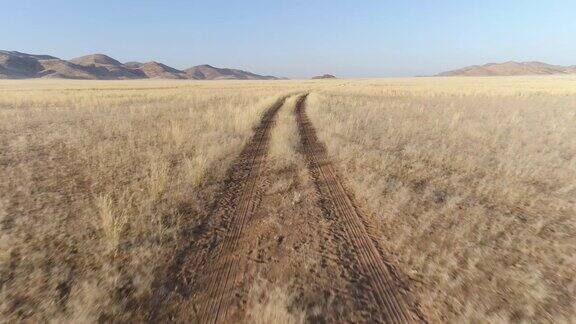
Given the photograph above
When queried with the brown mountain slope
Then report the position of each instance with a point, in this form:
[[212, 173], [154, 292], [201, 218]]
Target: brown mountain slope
[[133, 65], [96, 59], [155, 70], [105, 67], [16, 65], [25, 55], [57, 68], [510, 68], [208, 72]]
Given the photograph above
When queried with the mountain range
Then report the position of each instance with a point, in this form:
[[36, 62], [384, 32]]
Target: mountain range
[[511, 68], [17, 65]]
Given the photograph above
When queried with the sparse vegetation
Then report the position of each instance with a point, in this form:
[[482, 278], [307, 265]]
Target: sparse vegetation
[[272, 304], [98, 182], [284, 139], [472, 182]]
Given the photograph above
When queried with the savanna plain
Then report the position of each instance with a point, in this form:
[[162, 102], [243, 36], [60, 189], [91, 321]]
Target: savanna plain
[[416, 199]]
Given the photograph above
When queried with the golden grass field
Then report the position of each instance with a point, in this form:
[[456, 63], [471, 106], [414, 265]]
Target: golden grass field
[[476, 189], [472, 181]]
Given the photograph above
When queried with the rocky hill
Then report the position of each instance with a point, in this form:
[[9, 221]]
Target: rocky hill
[[511, 68], [17, 65], [208, 72], [324, 76]]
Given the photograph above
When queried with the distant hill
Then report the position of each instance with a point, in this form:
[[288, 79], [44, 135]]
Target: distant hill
[[511, 68], [104, 67], [208, 72], [324, 76], [24, 55], [56, 68], [16, 65], [155, 70]]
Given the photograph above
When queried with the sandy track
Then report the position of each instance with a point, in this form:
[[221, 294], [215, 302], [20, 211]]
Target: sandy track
[[376, 278], [219, 265], [320, 248]]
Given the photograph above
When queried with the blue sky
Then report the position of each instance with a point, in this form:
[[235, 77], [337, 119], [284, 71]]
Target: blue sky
[[296, 38]]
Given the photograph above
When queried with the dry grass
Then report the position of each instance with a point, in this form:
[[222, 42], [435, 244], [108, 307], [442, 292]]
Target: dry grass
[[272, 304], [99, 180], [472, 178], [474, 181], [284, 137]]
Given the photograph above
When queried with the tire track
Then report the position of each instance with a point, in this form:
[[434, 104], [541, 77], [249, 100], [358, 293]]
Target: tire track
[[379, 280], [219, 264]]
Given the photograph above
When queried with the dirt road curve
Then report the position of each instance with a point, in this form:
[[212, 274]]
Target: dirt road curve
[[378, 278], [221, 264]]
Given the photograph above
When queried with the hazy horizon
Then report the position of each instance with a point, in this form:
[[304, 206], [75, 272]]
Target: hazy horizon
[[297, 39]]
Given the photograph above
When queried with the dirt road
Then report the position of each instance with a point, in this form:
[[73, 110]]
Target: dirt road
[[221, 263], [376, 278], [292, 230]]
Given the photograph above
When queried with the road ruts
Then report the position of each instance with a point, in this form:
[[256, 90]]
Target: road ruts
[[379, 279], [220, 265]]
